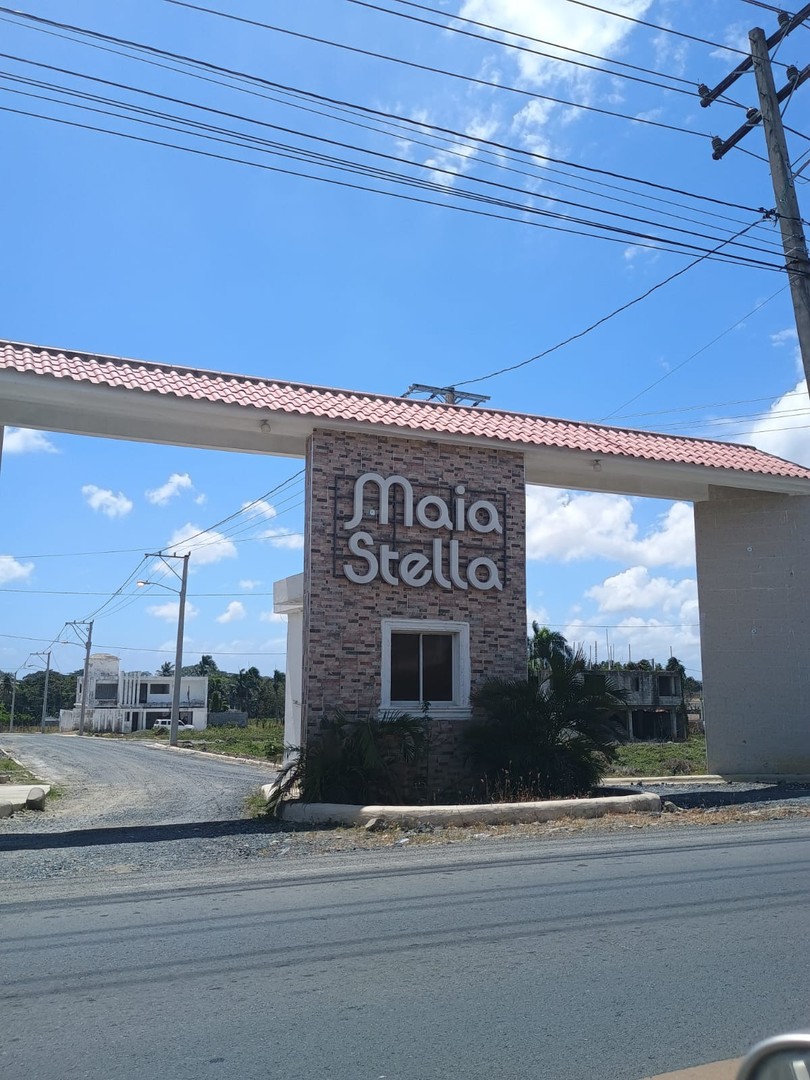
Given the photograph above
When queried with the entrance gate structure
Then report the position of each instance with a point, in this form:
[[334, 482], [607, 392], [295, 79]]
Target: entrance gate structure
[[414, 562]]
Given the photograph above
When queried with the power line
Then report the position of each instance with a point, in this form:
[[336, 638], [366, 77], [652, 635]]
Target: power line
[[639, 239], [766, 7], [436, 71], [148, 649], [500, 156], [523, 36], [411, 122], [656, 26], [588, 329], [533, 52], [320, 107], [299, 153], [90, 592], [683, 363]]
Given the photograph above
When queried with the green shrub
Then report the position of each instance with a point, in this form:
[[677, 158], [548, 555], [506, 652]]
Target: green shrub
[[354, 759], [549, 739]]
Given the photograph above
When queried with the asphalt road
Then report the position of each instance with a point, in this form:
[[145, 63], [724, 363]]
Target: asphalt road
[[112, 782], [597, 959]]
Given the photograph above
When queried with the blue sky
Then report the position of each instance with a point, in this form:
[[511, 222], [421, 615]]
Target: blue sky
[[124, 247]]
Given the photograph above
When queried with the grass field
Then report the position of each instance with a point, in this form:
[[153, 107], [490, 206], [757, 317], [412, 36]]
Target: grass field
[[264, 741], [661, 759], [16, 773]]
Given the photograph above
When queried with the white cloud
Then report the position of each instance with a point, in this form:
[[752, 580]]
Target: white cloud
[[784, 429], [233, 612], [784, 337], [536, 614], [206, 548], [171, 609], [249, 583], [280, 538], [575, 526], [259, 509], [637, 638], [735, 36], [633, 590], [201, 499], [26, 441], [12, 570], [106, 501], [176, 483], [272, 617], [553, 21]]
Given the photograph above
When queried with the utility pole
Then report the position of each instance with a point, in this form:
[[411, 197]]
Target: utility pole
[[787, 209], [13, 701], [787, 205], [178, 656], [448, 394], [45, 693], [181, 616], [86, 675]]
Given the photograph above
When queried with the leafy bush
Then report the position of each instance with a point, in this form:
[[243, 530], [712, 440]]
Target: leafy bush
[[354, 759], [546, 739]]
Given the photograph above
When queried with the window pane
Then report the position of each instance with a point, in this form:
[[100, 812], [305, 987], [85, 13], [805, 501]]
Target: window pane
[[405, 667], [437, 667]]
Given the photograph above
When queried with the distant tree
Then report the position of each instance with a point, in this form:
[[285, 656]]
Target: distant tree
[[546, 646], [30, 691], [166, 669]]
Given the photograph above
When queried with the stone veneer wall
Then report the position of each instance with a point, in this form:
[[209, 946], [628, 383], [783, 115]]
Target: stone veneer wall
[[343, 620]]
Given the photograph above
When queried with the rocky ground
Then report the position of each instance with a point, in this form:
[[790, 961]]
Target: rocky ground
[[31, 852]]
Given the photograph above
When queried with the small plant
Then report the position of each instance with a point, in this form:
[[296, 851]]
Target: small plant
[[353, 759]]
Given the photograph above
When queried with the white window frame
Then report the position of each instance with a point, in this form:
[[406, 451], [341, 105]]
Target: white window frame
[[459, 707]]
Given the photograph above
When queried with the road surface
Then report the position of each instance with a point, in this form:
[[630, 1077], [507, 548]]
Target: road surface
[[590, 959], [113, 782]]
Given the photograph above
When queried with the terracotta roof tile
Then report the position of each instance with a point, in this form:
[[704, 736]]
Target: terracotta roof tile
[[318, 403]]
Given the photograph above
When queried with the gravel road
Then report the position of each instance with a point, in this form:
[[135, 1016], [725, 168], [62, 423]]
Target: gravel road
[[110, 782]]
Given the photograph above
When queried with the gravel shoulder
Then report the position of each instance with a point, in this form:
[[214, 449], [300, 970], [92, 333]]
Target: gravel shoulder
[[135, 810]]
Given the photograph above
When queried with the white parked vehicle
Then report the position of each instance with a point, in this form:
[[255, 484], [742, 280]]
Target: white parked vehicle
[[165, 725]]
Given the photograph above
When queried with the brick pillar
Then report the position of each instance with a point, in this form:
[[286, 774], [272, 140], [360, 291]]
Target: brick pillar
[[343, 618]]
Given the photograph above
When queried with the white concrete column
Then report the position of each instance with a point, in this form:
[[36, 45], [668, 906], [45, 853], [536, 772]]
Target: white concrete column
[[288, 599], [754, 592]]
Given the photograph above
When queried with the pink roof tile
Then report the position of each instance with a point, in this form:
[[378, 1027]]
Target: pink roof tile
[[325, 404]]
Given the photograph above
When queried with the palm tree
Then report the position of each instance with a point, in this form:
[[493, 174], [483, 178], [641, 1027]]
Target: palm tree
[[166, 669], [551, 738], [546, 645]]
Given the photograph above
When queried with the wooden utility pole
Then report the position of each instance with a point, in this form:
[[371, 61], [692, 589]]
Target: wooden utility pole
[[787, 204], [86, 677], [45, 691], [787, 210]]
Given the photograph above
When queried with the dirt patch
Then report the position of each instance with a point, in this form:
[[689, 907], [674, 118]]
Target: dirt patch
[[324, 839]]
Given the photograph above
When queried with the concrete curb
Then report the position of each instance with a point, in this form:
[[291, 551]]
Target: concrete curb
[[18, 795], [483, 813], [211, 754], [697, 778]]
